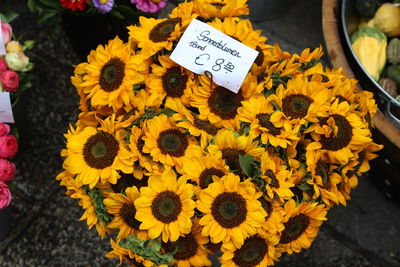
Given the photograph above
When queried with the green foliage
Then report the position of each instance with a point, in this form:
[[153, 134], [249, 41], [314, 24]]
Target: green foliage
[[151, 113], [251, 168], [99, 207], [148, 249]]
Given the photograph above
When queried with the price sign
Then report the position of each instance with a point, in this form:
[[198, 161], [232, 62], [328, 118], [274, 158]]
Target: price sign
[[6, 114], [203, 49]]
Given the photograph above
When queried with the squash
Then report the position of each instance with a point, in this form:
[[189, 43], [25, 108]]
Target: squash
[[393, 72], [393, 51], [387, 19], [369, 45]]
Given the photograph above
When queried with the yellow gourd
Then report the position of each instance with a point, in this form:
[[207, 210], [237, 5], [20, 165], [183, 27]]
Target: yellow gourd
[[369, 45], [387, 19]]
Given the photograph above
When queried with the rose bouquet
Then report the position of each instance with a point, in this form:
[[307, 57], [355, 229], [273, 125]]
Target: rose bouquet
[[176, 168], [8, 148], [14, 65]]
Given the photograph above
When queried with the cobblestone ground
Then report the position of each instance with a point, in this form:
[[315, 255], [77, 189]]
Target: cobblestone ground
[[46, 229]]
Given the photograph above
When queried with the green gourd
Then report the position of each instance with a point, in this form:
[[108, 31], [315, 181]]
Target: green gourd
[[369, 45], [393, 51], [393, 72]]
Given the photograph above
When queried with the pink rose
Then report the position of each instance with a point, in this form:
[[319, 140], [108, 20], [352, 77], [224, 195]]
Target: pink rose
[[5, 195], [4, 129], [7, 170], [6, 31], [3, 65], [10, 80], [8, 146]]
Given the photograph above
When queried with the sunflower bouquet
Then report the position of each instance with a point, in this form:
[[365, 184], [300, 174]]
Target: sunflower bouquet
[[177, 170]]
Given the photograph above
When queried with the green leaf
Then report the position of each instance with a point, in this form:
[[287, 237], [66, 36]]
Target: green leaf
[[99, 208], [52, 4], [32, 5], [247, 164], [28, 44], [47, 16], [167, 111], [117, 14], [149, 249], [305, 187]]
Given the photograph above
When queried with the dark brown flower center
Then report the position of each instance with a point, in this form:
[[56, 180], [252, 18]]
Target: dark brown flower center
[[251, 253], [166, 207], [260, 57], [127, 213], [162, 31], [173, 142], [186, 247], [205, 126], [128, 180], [361, 158], [341, 98], [218, 5], [296, 106], [229, 209], [322, 169], [343, 137], [206, 176], [224, 103], [112, 74], [294, 228], [231, 157], [264, 121], [140, 145], [100, 150], [274, 182], [174, 82]]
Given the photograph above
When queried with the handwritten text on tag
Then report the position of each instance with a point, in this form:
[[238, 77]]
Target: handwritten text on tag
[[203, 48]]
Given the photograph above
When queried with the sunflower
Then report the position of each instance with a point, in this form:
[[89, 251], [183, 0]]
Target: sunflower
[[136, 144], [138, 178], [231, 210], [257, 112], [273, 225], [241, 30], [276, 176], [190, 250], [301, 223], [124, 211], [324, 179], [167, 144], [220, 106], [96, 154], [170, 80], [339, 133], [201, 170], [154, 35], [232, 148], [165, 207], [110, 73], [300, 102], [87, 203], [126, 255], [256, 251], [208, 9], [344, 91], [190, 121]]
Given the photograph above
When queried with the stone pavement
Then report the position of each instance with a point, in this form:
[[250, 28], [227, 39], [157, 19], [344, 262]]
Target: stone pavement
[[46, 229]]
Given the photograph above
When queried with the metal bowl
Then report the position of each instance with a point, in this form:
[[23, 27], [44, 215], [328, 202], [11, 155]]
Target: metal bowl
[[388, 104]]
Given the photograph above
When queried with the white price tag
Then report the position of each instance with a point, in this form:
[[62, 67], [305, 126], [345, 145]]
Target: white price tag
[[2, 47], [203, 48], [6, 114]]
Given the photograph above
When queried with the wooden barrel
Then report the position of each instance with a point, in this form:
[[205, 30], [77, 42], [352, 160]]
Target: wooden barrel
[[385, 170]]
